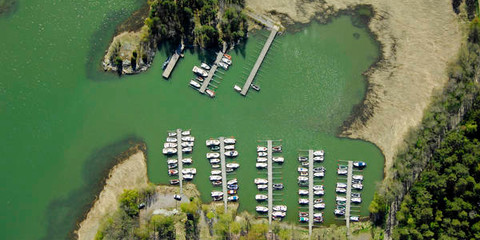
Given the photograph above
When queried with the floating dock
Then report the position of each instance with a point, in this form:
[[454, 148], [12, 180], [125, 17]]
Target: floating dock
[[213, 69], [259, 61], [349, 195], [224, 171], [173, 61], [310, 191], [179, 154], [270, 180]]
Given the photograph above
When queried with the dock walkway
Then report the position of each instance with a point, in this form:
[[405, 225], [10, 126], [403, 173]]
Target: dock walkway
[[206, 81], [349, 194], [179, 154], [310, 192], [224, 172], [270, 180]]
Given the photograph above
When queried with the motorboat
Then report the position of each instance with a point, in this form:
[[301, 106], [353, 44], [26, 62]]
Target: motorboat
[[340, 198], [199, 71], [214, 160], [216, 166], [319, 205], [189, 171], [232, 192], [261, 209], [187, 149], [277, 186], [227, 56], [223, 65], [278, 159], [232, 187], [356, 181], [200, 79], [318, 159], [262, 159], [255, 87], [169, 151], [233, 165], [305, 164], [318, 200], [205, 66], [319, 174], [318, 219], [174, 182], [357, 177], [171, 166], [260, 181], [227, 61], [303, 219], [188, 138], [261, 197], [359, 164], [261, 165], [216, 193], [262, 187], [229, 170], [237, 88], [188, 144], [279, 214], [172, 134], [302, 192], [172, 172], [302, 179], [277, 149], [194, 83], [317, 215], [233, 198], [280, 208], [354, 218], [357, 195], [262, 154], [340, 190], [211, 155], [341, 203], [318, 153], [317, 187], [215, 148], [302, 201], [356, 200], [166, 62], [231, 153], [210, 93], [229, 147], [172, 161], [303, 173], [341, 171], [357, 186], [233, 181], [340, 212], [216, 172], [212, 142], [171, 139], [169, 145], [319, 193], [218, 198], [215, 178], [302, 169], [187, 177], [216, 183], [229, 140], [341, 185], [187, 161], [302, 159], [319, 169], [261, 149]]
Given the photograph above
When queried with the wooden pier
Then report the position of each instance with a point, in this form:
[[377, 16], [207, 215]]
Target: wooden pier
[[270, 180], [179, 154], [310, 192], [259, 61], [349, 195], [224, 171], [173, 61]]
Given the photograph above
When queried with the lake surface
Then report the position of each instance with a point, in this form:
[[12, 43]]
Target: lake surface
[[62, 120]]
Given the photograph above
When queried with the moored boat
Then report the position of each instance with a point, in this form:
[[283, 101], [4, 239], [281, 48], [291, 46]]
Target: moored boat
[[262, 159], [233, 198], [199, 71], [211, 155], [169, 151], [215, 178], [187, 161], [237, 88], [261, 197], [174, 182], [359, 164], [255, 87], [231, 153], [261, 149], [319, 205], [278, 159], [172, 172], [227, 61], [262, 154], [230, 140], [171, 139], [277, 186], [233, 165], [261, 209], [210, 93], [262, 187], [261, 165], [302, 201], [212, 142], [214, 160], [280, 208], [260, 181], [205, 66], [169, 145], [223, 65], [187, 176], [302, 192], [216, 172]]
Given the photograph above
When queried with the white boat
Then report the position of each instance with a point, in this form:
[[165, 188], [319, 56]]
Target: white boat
[[199, 71], [172, 134], [341, 171], [223, 65], [319, 193], [317, 187], [187, 176], [171, 139], [210, 93], [261, 209], [261, 149], [229, 140], [214, 160], [205, 66], [317, 215], [237, 88], [213, 155], [358, 177], [341, 185], [302, 192], [280, 208], [261, 165], [215, 166], [187, 149], [302, 179], [340, 199], [302, 201], [260, 181], [359, 164], [229, 147], [261, 197], [188, 138], [212, 142], [170, 166], [318, 159], [318, 153], [168, 151], [279, 214], [278, 159], [233, 181], [262, 187], [172, 172], [187, 161], [227, 61], [233, 198], [233, 165], [319, 174], [262, 159], [262, 154], [303, 173], [354, 218], [169, 145], [356, 200], [319, 206], [216, 172], [189, 171], [216, 193], [188, 144], [357, 186], [194, 84], [340, 190], [302, 169], [231, 153], [339, 212], [215, 178], [302, 159], [186, 133], [172, 161]]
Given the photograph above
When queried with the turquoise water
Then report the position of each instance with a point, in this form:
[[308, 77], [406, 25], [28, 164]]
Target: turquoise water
[[62, 120]]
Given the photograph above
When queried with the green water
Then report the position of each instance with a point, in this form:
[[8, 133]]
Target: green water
[[62, 120]]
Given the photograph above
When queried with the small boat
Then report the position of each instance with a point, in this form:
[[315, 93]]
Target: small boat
[[210, 93], [200, 79], [229, 170], [262, 154], [233, 165], [261, 197], [319, 205], [223, 65], [278, 159], [340, 190], [277, 149], [354, 218], [218, 198], [214, 160], [340, 198], [341, 185], [302, 169], [303, 173], [216, 193], [319, 174], [280, 208], [171, 139], [305, 164], [261, 209], [215, 148], [277, 186], [233, 181], [231, 153], [232, 192], [229, 140], [211, 155], [189, 171], [317, 187], [216, 172], [356, 195], [342, 171], [172, 134], [187, 144], [215, 166], [187, 177], [340, 212], [279, 214], [172, 161], [199, 71], [227, 61], [357, 186], [358, 177], [319, 193], [303, 219], [173, 165], [233, 198], [319, 169], [205, 66], [212, 142], [187, 161], [229, 147], [317, 215], [232, 186], [302, 159], [318, 159], [356, 200], [215, 178], [318, 200], [261, 165], [261, 149], [174, 182], [169, 151], [172, 172], [166, 63], [302, 201], [302, 192], [262, 159], [341, 203], [260, 181], [169, 145], [237, 88], [262, 187], [255, 87], [359, 164], [318, 219], [356, 181], [216, 183], [188, 139], [187, 149], [318, 153], [302, 179], [194, 84], [227, 56]]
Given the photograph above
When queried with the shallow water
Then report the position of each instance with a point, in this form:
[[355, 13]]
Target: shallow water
[[58, 113]]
